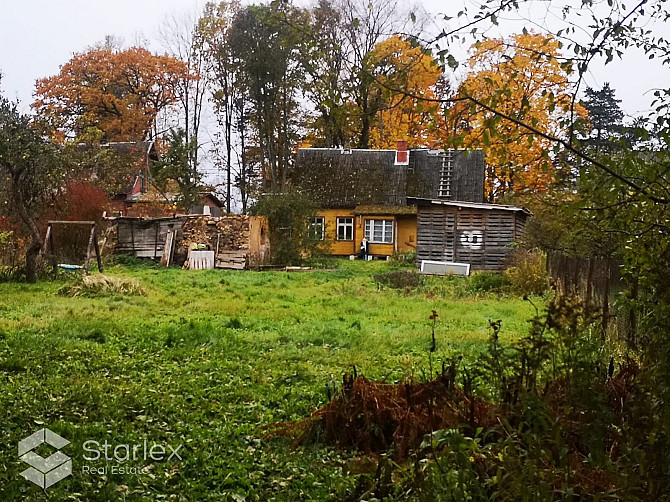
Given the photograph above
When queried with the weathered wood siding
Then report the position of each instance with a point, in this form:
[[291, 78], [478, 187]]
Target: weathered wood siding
[[239, 241], [435, 234], [146, 238], [480, 237]]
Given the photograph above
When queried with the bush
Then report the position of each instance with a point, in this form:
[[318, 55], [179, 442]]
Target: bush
[[405, 258], [399, 279], [288, 215], [130, 260], [527, 272], [488, 282], [10, 253]]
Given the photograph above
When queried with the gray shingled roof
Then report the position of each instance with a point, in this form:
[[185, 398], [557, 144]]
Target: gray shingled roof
[[346, 178]]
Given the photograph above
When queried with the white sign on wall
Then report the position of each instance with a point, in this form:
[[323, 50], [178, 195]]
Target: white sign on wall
[[472, 239]]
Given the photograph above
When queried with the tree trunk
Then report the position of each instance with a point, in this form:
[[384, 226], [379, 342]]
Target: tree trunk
[[33, 250], [285, 145], [364, 139], [243, 175]]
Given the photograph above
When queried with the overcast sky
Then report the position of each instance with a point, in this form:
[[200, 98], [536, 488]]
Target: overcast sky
[[37, 36]]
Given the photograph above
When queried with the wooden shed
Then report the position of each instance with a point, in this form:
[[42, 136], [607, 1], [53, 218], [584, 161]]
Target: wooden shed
[[145, 237], [465, 232], [239, 241]]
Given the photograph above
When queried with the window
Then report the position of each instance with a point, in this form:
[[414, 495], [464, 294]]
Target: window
[[316, 228], [379, 231], [345, 229]]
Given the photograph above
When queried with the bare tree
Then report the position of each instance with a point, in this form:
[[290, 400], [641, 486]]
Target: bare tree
[[366, 23], [181, 37]]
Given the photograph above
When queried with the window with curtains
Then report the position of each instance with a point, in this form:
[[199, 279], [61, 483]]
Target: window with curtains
[[379, 231]]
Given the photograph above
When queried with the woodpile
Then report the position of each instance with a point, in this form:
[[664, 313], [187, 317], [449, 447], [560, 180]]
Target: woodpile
[[228, 236], [238, 241]]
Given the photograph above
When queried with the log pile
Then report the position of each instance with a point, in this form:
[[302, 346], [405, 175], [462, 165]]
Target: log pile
[[228, 236]]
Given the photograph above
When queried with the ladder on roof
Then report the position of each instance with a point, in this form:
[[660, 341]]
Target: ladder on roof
[[446, 174]]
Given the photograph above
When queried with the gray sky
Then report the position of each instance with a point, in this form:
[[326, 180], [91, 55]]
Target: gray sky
[[37, 36]]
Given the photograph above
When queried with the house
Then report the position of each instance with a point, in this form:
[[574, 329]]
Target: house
[[210, 205], [363, 193], [465, 232], [388, 229], [137, 198], [140, 197]]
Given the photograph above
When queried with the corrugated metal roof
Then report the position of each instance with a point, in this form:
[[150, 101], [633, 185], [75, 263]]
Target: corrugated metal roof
[[473, 205]]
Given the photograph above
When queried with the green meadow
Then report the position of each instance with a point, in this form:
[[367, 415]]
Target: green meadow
[[203, 361]]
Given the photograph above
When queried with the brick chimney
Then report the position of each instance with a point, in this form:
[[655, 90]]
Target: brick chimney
[[402, 156]]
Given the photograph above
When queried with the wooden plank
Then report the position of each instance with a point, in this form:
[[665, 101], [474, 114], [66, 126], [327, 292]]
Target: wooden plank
[[166, 256], [47, 238], [61, 222], [89, 249], [97, 249], [231, 265]]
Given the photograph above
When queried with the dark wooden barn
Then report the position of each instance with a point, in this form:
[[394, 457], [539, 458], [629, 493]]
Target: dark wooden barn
[[474, 233]]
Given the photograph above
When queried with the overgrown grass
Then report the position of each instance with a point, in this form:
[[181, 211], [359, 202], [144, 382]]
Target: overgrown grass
[[206, 359], [102, 285]]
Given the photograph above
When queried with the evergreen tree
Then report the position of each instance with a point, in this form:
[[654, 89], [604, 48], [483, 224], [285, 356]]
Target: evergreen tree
[[605, 118]]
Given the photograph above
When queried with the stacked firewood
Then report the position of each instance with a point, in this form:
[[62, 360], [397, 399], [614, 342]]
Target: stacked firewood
[[227, 236]]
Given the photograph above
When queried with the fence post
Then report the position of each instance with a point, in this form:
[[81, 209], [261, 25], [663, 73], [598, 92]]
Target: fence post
[[606, 297]]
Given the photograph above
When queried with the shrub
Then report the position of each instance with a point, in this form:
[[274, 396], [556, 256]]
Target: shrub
[[81, 200], [10, 252], [129, 260], [527, 272], [399, 279], [405, 258], [488, 282]]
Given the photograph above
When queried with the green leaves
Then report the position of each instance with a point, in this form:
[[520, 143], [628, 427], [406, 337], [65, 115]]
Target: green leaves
[[452, 62]]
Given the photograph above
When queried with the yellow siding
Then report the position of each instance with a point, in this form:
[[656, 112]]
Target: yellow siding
[[338, 248], [404, 233]]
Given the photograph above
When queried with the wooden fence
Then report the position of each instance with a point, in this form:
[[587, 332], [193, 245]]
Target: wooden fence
[[599, 283]]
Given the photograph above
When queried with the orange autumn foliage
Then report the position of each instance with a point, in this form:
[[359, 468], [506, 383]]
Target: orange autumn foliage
[[523, 78], [119, 93], [406, 77]]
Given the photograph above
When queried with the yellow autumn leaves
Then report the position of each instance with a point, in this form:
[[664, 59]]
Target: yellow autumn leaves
[[522, 78], [517, 81]]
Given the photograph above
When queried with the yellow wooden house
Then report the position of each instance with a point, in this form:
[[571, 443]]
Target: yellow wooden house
[[388, 229], [363, 193]]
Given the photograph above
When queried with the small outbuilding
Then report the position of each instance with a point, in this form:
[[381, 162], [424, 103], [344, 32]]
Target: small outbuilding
[[478, 234], [238, 241]]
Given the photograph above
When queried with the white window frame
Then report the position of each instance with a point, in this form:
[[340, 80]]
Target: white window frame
[[347, 226], [386, 228], [316, 228]]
